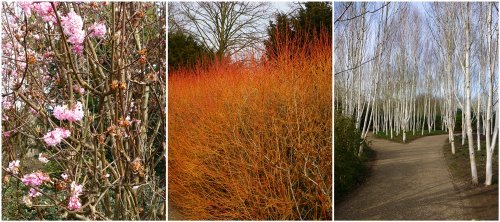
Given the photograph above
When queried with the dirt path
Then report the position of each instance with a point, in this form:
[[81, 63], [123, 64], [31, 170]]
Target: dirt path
[[408, 181]]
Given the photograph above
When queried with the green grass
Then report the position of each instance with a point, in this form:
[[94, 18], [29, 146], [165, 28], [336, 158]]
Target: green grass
[[480, 198], [358, 172], [350, 169], [459, 163], [13, 192], [409, 135]]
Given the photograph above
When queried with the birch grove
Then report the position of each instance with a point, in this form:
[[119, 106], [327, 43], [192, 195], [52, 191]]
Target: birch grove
[[414, 68]]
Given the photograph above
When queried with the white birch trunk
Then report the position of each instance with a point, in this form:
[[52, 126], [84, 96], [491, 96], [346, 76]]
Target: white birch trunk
[[468, 120], [490, 144]]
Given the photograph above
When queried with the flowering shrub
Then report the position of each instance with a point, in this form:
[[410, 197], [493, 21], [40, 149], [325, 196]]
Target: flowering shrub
[[83, 111], [63, 113], [55, 137], [97, 30], [35, 179]]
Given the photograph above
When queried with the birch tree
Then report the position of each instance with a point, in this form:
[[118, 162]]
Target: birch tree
[[492, 43], [409, 86], [468, 120]]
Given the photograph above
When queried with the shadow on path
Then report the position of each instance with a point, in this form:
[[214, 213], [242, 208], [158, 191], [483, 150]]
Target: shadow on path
[[408, 181]]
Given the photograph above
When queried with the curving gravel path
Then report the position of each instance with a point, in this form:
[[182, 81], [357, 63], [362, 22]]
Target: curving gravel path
[[408, 182]]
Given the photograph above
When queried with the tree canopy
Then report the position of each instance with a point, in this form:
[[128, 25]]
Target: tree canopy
[[310, 21], [185, 52]]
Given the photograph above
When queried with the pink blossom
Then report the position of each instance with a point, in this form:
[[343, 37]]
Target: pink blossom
[[26, 7], [35, 179], [55, 137], [64, 132], [72, 25], [48, 55], [13, 21], [78, 49], [74, 203], [34, 193], [63, 113], [77, 37], [7, 134], [60, 112], [45, 10], [14, 167], [79, 89], [6, 104], [7, 49], [97, 30], [76, 189], [75, 114]]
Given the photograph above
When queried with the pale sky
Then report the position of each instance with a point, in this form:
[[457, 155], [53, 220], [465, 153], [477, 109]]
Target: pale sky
[[282, 6]]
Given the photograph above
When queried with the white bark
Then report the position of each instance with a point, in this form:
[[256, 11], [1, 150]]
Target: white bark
[[490, 142], [468, 120]]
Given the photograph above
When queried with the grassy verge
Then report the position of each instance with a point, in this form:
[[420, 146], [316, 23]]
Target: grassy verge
[[350, 175], [480, 200], [350, 169], [409, 135]]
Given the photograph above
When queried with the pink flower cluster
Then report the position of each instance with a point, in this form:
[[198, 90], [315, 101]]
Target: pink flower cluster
[[7, 134], [72, 25], [45, 10], [26, 7], [42, 9], [6, 104], [55, 137], [74, 201], [63, 113], [34, 193], [78, 89], [14, 167], [35, 179], [76, 189], [97, 30]]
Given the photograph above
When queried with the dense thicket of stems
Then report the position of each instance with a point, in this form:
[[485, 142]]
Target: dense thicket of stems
[[117, 150]]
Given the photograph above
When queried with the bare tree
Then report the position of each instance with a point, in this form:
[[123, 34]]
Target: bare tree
[[466, 69], [175, 21], [225, 27], [411, 81], [491, 139], [445, 40]]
